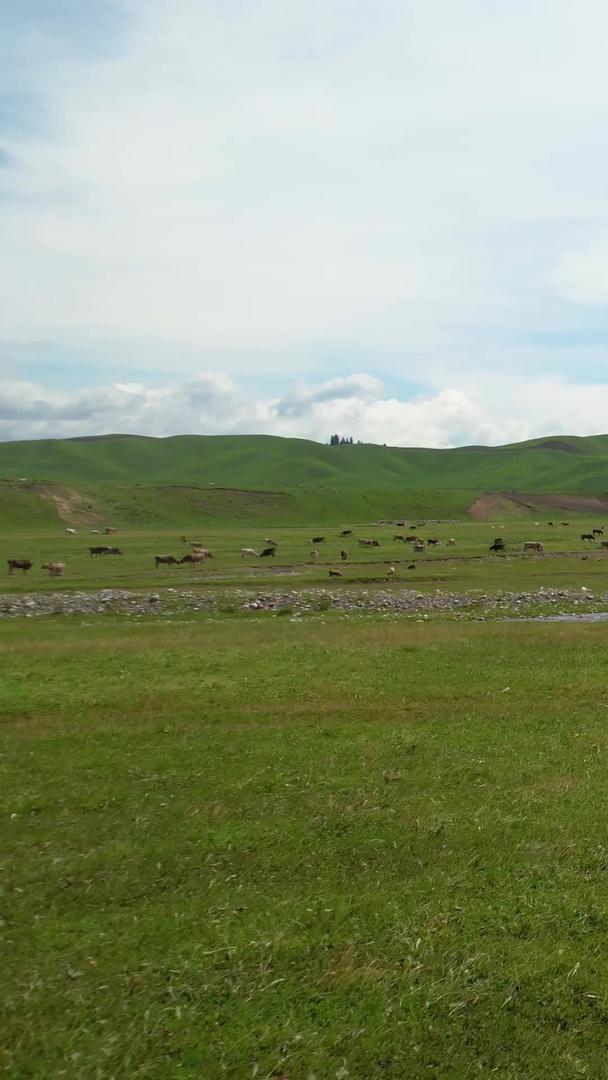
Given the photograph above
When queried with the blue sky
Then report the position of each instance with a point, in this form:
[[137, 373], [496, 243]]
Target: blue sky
[[388, 220]]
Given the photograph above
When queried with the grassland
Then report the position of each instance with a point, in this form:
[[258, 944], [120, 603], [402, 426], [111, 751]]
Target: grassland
[[135, 481], [563, 463], [468, 565], [251, 845], [256, 847]]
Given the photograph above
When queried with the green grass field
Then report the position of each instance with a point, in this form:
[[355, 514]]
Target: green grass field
[[561, 463], [468, 565], [257, 847], [138, 482], [319, 848]]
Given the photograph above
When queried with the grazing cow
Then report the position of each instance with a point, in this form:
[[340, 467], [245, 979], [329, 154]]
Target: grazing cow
[[336, 573], [366, 542], [411, 539], [412, 566], [202, 551], [317, 539], [498, 545], [55, 569], [391, 571], [195, 558], [314, 554], [551, 524], [534, 545], [565, 523], [598, 532], [267, 553], [587, 536], [400, 524], [434, 543], [344, 554], [604, 544], [399, 536], [419, 546], [112, 551], [271, 543], [165, 560], [248, 552], [451, 542], [346, 532], [108, 530], [71, 532], [95, 532], [101, 550], [19, 564]]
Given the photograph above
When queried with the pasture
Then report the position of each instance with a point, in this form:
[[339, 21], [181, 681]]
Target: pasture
[[567, 560], [258, 847]]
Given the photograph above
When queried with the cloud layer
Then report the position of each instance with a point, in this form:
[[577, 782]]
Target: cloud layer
[[283, 187], [358, 405]]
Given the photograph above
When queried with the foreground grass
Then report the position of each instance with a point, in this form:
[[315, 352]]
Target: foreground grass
[[258, 847]]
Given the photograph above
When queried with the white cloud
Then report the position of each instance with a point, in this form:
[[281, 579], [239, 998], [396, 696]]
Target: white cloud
[[495, 411], [287, 188], [271, 175]]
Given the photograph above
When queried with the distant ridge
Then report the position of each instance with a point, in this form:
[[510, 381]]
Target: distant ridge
[[254, 462], [141, 481]]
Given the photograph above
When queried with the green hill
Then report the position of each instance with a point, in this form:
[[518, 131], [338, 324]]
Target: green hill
[[565, 463], [136, 478]]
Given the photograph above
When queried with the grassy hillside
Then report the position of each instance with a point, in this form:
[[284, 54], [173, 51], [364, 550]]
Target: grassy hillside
[[565, 463], [139, 481]]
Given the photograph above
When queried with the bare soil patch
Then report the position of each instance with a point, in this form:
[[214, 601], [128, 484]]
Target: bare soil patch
[[492, 505]]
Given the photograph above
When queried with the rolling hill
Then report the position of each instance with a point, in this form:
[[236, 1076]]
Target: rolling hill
[[192, 477]]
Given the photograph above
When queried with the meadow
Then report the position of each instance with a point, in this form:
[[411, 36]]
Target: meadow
[[247, 844], [253, 846], [469, 565]]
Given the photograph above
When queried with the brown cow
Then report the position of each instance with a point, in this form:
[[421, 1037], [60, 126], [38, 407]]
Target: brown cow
[[19, 564]]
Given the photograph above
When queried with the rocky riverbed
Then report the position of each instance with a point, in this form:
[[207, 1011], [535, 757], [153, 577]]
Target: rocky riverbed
[[354, 601]]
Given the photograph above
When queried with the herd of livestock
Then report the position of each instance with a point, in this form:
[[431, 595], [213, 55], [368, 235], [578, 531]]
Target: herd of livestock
[[198, 554]]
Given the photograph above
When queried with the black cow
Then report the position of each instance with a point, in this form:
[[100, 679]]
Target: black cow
[[19, 564], [498, 545], [317, 539], [112, 551], [164, 560], [267, 553], [587, 536], [101, 550], [598, 532], [346, 532]]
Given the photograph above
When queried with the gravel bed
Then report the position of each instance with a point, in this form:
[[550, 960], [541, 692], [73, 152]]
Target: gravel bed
[[404, 601]]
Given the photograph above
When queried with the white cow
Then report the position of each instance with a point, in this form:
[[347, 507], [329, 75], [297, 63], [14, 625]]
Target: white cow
[[248, 552]]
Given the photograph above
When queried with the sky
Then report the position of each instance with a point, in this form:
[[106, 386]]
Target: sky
[[386, 220]]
